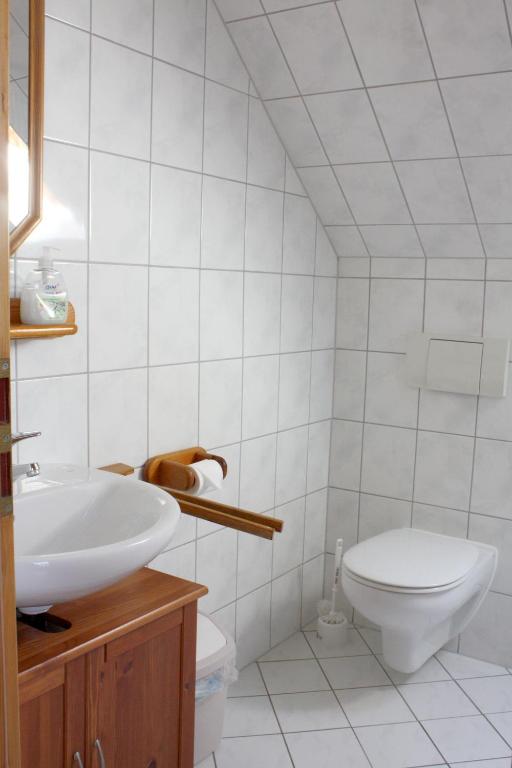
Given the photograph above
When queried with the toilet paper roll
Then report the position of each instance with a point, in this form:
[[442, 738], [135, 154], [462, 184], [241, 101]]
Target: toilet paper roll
[[208, 477]]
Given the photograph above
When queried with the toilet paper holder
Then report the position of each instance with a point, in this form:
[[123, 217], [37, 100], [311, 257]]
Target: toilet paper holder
[[172, 473], [172, 470]]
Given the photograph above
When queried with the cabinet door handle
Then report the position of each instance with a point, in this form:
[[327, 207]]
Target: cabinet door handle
[[101, 756], [77, 760]]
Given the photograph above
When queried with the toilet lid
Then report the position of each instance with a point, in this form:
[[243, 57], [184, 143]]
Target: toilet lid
[[411, 559]]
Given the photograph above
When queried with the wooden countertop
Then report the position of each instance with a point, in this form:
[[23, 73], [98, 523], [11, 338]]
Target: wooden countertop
[[103, 616]]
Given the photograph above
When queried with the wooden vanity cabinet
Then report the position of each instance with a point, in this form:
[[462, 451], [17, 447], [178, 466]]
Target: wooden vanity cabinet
[[124, 697]]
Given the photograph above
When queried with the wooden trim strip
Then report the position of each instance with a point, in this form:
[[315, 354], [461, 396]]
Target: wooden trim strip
[[188, 685], [9, 703], [35, 126], [137, 636], [41, 683]]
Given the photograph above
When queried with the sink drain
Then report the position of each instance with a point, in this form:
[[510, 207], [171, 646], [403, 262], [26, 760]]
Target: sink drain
[[44, 622]]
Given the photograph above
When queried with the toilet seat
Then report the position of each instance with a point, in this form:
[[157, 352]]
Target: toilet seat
[[404, 590], [411, 561]]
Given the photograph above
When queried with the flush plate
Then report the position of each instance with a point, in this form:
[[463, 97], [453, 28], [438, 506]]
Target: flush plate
[[462, 364]]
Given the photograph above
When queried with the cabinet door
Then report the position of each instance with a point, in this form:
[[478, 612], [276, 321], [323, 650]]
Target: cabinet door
[[52, 715], [141, 696]]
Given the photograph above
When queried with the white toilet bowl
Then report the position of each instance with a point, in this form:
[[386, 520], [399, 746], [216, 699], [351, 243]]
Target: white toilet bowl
[[420, 588]]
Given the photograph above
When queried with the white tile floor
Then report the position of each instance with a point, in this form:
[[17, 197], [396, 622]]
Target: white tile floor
[[301, 706]]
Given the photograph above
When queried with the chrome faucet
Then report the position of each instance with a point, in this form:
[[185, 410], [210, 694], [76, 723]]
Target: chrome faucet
[[28, 470]]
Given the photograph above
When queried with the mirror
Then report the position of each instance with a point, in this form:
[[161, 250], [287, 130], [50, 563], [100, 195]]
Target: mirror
[[26, 63]]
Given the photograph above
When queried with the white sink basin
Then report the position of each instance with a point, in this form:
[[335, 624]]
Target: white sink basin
[[78, 530]]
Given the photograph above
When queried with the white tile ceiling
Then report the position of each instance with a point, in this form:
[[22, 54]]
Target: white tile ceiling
[[397, 116]]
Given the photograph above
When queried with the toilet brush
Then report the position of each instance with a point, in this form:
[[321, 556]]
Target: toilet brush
[[332, 626]]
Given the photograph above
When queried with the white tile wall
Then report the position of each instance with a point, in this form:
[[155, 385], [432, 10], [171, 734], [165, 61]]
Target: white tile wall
[[205, 292], [400, 124], [401, 140]]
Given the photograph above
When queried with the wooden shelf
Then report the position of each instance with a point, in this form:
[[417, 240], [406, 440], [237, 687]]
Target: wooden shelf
[[21, 331]]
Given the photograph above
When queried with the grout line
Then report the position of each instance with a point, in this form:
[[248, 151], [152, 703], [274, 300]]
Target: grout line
[[88, 247], [333, 690], [336, 179], [399, 182], [275, 714], [365, 389], [482, 243], [381, 132], [331, 436], [278, 395], [270, 118], [146, 55], [377, 86], [446, 224], [450, 126], [483, 714], [320, 140], [182, 364], [111, 153], [238, 539], [200, 292], [150, 200], [507, 17], [308, 438], [404, 161], [383, 261], [420, 429]]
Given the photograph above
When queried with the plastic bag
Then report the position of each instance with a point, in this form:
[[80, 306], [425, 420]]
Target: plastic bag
[[221, 678]]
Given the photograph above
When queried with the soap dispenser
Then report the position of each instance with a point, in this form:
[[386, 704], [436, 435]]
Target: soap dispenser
[[44, 299]]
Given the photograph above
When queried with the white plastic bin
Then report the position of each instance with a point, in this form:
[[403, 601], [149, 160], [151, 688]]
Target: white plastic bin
[[215, 670]]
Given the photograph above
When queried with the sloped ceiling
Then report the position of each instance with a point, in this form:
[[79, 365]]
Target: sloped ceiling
[[397, 115]]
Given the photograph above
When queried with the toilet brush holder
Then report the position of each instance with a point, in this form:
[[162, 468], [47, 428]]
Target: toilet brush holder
[[332, 625], [332, 629]]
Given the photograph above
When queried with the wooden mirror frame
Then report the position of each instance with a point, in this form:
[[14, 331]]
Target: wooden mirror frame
[[35, 125]]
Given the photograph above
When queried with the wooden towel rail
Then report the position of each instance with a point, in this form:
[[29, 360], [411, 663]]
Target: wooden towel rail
[[230, 520], [222, 514], [252, 517]]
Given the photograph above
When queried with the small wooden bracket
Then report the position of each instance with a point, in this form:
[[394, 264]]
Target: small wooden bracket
[[5, 437], [119, 469], [6, 506]]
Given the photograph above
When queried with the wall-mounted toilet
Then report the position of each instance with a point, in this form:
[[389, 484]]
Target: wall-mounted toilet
[[420, 588]]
